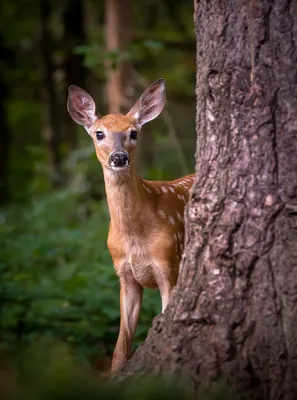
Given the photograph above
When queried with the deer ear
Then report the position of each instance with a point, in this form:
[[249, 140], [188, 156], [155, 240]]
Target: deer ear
[[81, 107], [150, 104]]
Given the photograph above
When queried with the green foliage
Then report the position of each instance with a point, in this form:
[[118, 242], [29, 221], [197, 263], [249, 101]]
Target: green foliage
[[163, 45], [96, 55], [57, 277], [48, 371]]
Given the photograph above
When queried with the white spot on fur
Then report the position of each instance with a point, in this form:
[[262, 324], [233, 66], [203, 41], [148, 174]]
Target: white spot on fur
[[179, 216], [171, 189], [147, 189], [171, 220], [162, 214], [164, 189]]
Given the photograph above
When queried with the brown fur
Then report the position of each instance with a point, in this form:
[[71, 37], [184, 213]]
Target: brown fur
[[142, 238], [114, 123]]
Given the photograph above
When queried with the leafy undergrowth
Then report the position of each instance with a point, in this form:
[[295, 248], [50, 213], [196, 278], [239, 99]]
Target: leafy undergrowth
[[57, 277], [49, 372]]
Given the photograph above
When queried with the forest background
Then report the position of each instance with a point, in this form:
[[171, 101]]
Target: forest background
[[58, 285]]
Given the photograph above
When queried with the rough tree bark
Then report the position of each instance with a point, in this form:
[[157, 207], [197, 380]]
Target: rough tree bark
[[233, 312]]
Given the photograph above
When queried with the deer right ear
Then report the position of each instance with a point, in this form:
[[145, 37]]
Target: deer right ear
[[150, 104], [81, 107]]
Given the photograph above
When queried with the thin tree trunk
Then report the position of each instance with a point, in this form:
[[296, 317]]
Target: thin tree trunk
[[118, 32], [75, 72], [52, 131], [233, 312], [5, 134]]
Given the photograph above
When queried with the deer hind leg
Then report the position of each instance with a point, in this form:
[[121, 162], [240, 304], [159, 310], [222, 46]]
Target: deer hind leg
[[130, 303]]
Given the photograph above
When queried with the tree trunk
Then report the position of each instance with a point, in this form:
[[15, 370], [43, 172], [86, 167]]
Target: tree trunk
[[5, 134], [233, 313], [118, 33], [52, 130], [75, 71]]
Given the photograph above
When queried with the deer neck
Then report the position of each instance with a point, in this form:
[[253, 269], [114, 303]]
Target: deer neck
[[124, 197]]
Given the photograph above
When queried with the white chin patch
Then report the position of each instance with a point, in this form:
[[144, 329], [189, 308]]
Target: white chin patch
[[114, 168]]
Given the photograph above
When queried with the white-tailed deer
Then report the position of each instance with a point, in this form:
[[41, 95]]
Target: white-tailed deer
[[146, 231]]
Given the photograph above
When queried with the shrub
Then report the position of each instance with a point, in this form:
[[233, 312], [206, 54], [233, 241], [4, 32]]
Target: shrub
[[57, 277]]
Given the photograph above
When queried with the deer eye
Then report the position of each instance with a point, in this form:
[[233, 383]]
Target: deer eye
[[133, 135], [99, 135]]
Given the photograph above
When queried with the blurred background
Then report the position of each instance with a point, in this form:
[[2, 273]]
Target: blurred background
[[57, 279]]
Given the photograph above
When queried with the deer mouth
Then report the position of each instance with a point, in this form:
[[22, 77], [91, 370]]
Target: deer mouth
[[117, 169]]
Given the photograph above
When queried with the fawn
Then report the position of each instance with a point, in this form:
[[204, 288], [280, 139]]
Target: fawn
[[146, 232]]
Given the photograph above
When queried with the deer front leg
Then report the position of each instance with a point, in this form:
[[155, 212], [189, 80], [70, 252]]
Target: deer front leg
[[130, 303], [165, 280]]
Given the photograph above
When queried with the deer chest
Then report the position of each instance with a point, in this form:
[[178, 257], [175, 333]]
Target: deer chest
[[141, 264]]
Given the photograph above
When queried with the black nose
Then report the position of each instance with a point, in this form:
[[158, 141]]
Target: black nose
[[119, 159]]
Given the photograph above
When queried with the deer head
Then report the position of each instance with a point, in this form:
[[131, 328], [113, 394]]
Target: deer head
[[115, 135]]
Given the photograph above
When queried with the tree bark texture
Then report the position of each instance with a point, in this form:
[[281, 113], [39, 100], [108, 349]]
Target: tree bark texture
[[233, 313]]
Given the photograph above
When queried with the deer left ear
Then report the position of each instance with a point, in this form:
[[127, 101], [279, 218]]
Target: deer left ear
[[150, 104], [81, 107]]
